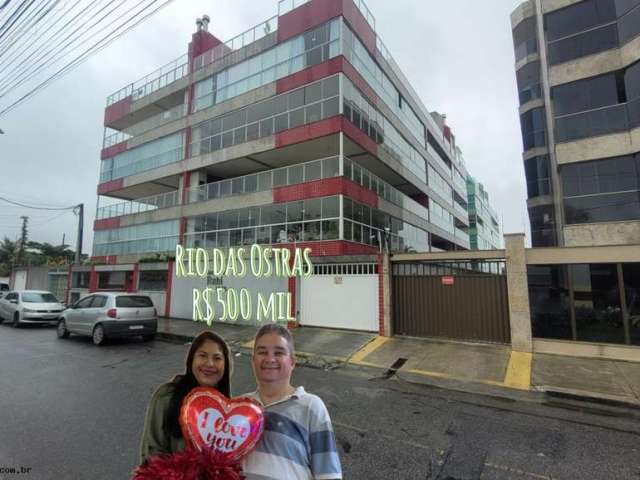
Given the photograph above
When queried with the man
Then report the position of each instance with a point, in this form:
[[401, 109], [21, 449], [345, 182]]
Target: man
[[298, 441]]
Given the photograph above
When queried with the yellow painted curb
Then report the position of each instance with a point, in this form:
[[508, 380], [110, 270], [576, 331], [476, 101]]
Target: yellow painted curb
[[373, 345], [519, 371]]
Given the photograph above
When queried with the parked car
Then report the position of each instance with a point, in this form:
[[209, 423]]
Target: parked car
[[109, 315], [30, 306]]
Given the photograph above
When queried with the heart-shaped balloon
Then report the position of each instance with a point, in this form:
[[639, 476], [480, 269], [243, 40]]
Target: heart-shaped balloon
[[231, 426]]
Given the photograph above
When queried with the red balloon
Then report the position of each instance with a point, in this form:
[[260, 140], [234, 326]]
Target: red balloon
[[231, 426]]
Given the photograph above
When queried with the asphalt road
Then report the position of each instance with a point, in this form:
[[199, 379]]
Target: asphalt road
[[69, 410]]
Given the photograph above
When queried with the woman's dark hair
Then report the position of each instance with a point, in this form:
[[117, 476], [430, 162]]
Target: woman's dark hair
[[184, 383]]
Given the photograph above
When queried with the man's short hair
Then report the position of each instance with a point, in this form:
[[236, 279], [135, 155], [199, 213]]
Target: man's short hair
[[278, 330]]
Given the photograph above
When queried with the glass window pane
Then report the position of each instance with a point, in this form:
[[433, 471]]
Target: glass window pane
[[330, 87], [312, 171], [330, 167], [311, 231], [313, 113], [312, 209], [280, 177], [631, 275], [331, 207], [549, 301], [330, 107], [330, 230], [296, 118], [294, 211], [597, 303]]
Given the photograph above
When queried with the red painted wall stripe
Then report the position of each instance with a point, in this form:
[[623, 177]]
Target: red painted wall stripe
[[167, 300], [106, 223], [110, 186], [317, 12], [133, 287], [307, 132], [325, 188], [117, 110], [93, 279], [113, 150]]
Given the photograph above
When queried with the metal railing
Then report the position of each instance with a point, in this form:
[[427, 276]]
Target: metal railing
[[150, 123], [141, 205], [239, 41], [155, 80]]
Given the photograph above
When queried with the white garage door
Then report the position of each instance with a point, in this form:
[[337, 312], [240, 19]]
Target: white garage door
[[341, 296]]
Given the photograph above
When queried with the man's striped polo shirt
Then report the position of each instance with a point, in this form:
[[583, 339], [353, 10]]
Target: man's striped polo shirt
[[297, 443]]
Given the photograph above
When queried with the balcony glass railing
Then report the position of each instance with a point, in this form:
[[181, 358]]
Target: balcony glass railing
[[150, 123], [239, 41], [157, 79], [141, 205], [461, 210]]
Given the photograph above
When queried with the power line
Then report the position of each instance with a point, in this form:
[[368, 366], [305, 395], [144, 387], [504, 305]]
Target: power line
[[24, 26], [18, 71], [20, 11], [98, 46], [35, 207]]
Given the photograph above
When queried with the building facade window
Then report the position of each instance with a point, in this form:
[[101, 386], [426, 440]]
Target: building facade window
[[536, 170], [283, 60], [543, 230], [308, 104], [528, 80], [590, 27], [525, 38], [533, 125], [153, 280], [150, 155], [602, 190], [148, 237], [584, 302]]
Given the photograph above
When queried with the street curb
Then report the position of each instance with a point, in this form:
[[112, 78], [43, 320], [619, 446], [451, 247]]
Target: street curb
[[588, 397]]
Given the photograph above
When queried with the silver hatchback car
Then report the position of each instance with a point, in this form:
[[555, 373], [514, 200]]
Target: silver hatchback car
[[109, 315]]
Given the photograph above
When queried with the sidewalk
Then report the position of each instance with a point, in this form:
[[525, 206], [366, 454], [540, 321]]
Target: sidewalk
[[487, 369]]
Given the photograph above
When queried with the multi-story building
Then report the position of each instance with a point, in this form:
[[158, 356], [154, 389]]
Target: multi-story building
[[578, 76], [484, 227], [301, 131]]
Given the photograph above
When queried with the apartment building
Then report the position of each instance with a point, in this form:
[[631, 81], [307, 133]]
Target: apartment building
[[300, 132], [578, 76], [484, 226]]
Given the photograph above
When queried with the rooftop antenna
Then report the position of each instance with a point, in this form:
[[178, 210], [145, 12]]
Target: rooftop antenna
[[205, 22]]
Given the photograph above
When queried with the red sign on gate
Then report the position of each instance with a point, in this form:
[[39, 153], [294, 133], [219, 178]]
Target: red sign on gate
[[449, 280]]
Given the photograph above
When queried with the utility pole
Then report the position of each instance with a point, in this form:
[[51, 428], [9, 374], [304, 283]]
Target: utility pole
[[23, 239], [80, 213]]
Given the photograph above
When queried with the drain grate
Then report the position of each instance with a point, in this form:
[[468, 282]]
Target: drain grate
[[397, 365]]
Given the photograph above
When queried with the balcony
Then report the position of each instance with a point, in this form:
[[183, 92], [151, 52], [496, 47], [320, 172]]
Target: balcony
[[150, 123], [141, 205]]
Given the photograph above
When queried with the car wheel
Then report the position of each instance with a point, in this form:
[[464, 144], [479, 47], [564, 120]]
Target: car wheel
[[98, 336], [16, 320], [148, 338], [62, 329]]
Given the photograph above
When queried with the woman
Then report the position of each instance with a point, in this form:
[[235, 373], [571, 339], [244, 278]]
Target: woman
[[208, 364]]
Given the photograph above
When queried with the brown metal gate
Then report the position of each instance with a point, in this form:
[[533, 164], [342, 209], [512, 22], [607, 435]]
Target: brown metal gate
[[473, 307]]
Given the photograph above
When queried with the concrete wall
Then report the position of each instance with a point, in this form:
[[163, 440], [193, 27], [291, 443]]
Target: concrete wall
[[610, 233], [604, 146]]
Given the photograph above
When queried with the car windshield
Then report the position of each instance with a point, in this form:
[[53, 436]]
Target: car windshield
[[39, 298], [132, 301]]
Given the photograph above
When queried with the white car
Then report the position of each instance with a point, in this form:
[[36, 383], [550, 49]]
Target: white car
[[30, 306]]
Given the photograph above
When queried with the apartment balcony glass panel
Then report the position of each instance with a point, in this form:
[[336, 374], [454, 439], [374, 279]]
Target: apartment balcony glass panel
[[525, 38], [140, 205], [581, 45], [301, 221], [578, 18], [296, 54], [308, 104], [362, 61], [367, 118], [151, 155], [440, 217], [536, 170], [440, 185], [363, 224], [593, 123], [149, 237], [534, 128]]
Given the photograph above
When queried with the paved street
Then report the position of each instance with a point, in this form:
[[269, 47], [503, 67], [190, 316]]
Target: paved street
[[74, 411]]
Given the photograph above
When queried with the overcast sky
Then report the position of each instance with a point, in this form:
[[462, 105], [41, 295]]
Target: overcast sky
[[458, 55]]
